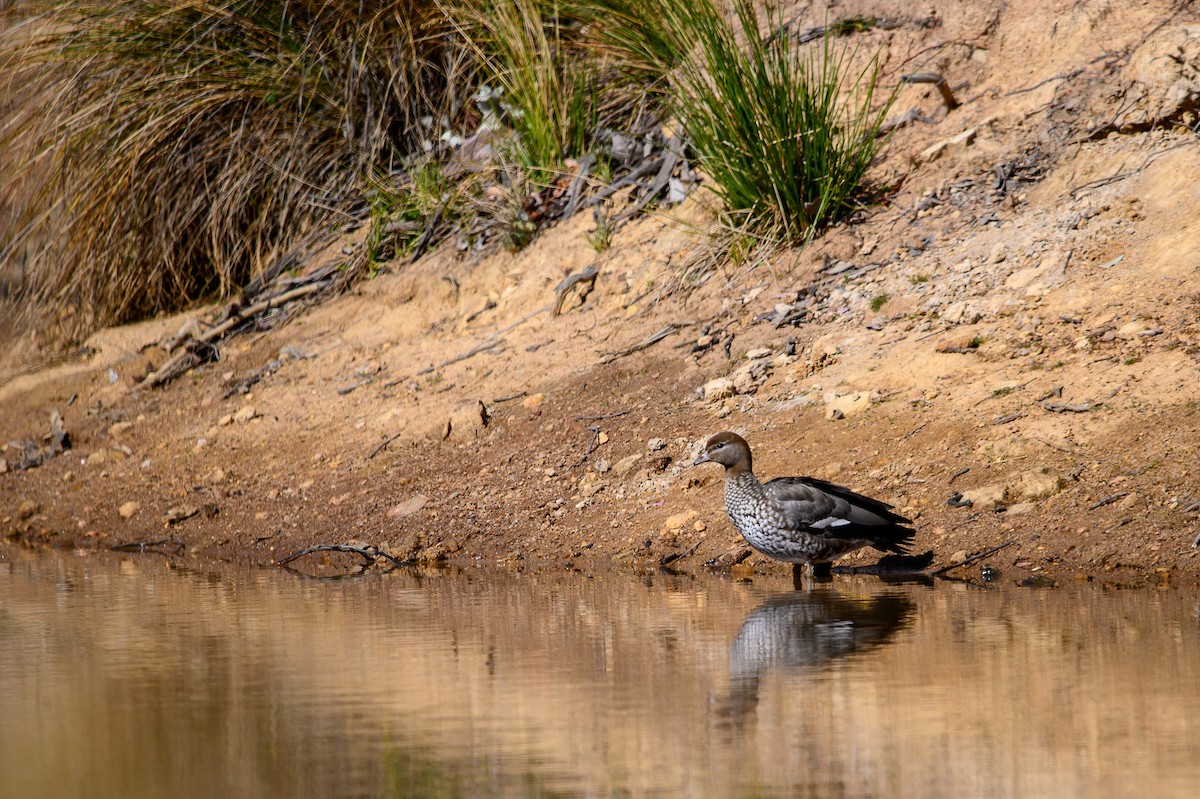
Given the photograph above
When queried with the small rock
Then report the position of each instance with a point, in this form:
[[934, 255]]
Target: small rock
[[117, 428], [408, 507], [225, 420], [215, 476], [179, 514], [699, 526], [97, 457], [590, 486], [985, 497], [442, 550], [965, 342], [655, 444], [27, 509], [848, 405], [760, 352], [660, 463], [602, 465], [718, 389], [533, 401], [467, 422], [625, 465], [1132, 330], [127, 510], [678, 521], [601, 438], [245, 414], [1036, 485], [961, 313]]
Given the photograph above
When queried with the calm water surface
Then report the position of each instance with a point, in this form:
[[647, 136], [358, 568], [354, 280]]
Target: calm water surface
[[130, 677]]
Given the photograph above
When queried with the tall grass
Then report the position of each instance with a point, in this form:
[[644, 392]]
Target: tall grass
[[181, 146], [533, 55]]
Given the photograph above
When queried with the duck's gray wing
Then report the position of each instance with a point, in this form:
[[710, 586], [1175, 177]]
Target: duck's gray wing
[[838, 512]]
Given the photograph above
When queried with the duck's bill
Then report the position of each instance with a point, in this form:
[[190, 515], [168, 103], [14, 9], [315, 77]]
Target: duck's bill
[[702, 459]]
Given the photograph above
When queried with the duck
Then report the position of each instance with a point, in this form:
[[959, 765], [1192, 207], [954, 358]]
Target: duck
[[801, 520]]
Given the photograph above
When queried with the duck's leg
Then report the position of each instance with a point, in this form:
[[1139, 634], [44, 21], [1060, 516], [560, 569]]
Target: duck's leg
[[816, 572], [821, 572]]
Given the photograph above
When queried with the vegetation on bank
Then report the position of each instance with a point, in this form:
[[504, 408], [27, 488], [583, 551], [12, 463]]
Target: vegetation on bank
[[172, 151]]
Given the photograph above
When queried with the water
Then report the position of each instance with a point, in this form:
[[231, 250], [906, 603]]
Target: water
[[130, 677]]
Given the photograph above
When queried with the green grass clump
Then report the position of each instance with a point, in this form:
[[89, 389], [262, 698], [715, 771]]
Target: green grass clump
[[532, 61], [181, 147], [878, 301], [786, 133]]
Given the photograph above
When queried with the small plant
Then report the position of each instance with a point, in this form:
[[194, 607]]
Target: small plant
[[878, 301], [976, 342], [852, 25], [1132, 359], [919, 279], [601, 238]]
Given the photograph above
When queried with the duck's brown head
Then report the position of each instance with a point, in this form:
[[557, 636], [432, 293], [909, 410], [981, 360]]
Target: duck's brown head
[[728, 449]]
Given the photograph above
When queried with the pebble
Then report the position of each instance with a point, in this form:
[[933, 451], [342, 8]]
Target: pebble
[[718, 389], [625, 465], [245, 414], [677, 521], [27, 510], [985, 497], [179, 514], [847, 405], [655, 444], [128, 509], [467, 422], [533, 400]]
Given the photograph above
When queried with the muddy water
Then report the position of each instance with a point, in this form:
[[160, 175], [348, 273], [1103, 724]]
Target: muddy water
[[131, 677]]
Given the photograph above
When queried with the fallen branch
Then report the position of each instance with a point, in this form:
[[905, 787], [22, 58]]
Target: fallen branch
[[370, 553], [591, 447], [644, 343], [1108, 500], [667, 560], [973, 558], [490, 344], [179, 363], [382, 445], [937, 80], [603, 416]]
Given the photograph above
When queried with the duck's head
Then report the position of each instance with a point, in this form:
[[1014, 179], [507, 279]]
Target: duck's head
[[728, 449]]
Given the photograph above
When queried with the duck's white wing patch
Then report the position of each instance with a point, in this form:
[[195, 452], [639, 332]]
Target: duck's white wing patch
[[830, 521]]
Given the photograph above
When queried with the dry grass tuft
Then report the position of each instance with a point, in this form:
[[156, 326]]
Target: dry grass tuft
[[181, 147]]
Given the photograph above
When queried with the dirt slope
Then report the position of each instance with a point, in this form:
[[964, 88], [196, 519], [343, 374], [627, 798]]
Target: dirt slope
[[1019, 324]]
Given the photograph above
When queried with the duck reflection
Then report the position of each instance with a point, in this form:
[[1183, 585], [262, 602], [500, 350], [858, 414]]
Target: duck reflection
[[804, 631]]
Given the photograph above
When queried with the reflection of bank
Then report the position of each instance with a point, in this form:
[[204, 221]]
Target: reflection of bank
[[802, 631]]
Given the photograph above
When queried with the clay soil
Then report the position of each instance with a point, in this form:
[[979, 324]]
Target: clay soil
[[1017, 327]]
